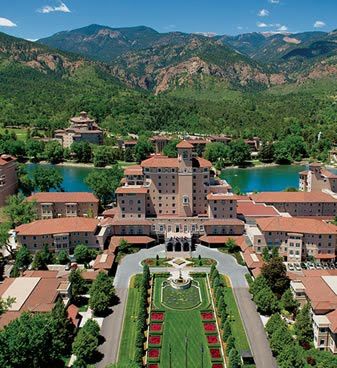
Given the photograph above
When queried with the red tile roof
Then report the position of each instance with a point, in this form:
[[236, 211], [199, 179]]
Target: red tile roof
[[73, 314], [280, 197], [328, 174], [184, 144], [296, 225], [58, 226], [332, 317], [41, 299], [221, 197], [104, 261], [222, 239], [132, 239], [133, 170], [5, 159], [131, 190], [251, 209], [160, 161], [252, 259], [67, 197]]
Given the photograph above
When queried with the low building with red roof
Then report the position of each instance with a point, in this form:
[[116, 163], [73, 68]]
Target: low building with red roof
[[63, 233], [319, 288], [65, 204], [33, 293], [299, 203], [296, 238]]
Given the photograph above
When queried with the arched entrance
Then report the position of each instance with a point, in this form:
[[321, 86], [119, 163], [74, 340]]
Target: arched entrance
[[186, 247], [169, 247], [177, 247]]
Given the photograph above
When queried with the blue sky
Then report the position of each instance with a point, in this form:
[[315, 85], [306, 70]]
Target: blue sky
[[33, 19]]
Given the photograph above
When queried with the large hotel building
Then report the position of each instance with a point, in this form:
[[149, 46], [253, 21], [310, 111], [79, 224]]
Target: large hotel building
[[176, 200]]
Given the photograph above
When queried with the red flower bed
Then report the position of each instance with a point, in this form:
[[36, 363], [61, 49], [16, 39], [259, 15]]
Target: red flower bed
[[155, 340], [154, 353], [207, 316], [157, 316], [212, 339], [156, 365], [155, 327], [210, 327], [215, 353], [217, 365]]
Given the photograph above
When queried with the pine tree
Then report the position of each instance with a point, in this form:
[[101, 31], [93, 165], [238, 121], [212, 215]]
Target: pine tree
[[303, 325], [234, 359], [227, 330], [230, 344]]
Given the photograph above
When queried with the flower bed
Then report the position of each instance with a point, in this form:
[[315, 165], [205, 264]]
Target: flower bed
[[157, 316], [212, 340], [153, 355], [217, 365], [156, 328], [154, 340], [210, 328], [156, 365], [215, 354], [207, 316]]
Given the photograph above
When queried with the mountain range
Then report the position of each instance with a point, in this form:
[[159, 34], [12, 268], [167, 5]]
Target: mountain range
[[142, 57], [134, 79]]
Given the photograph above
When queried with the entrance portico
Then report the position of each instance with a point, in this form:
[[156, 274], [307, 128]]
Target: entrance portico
[[178, 242]]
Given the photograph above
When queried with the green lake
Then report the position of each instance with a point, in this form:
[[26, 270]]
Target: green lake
[[272, 178]]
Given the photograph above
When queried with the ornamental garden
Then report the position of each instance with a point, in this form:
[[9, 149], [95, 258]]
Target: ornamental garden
[[167, 326]]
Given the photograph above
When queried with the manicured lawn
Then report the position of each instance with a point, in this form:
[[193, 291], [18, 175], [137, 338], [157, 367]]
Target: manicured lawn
[[181, 299], [128, 340], [124, 164], [181, 323], [238, 330]]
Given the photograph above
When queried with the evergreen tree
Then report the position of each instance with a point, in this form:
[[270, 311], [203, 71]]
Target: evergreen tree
[[273, 323], [234, 359], [77, 284], [291, 357], [276, 275], [227, 330], [230, 344], [303, 325], [266, 301], [288, 302], [281, 338]]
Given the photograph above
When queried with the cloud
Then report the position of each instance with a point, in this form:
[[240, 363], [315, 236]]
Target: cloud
[[274, 1], [263, 13], [262, 25], [4, 22], [240, 28], [62, 8], [282, 28], [319, 24]]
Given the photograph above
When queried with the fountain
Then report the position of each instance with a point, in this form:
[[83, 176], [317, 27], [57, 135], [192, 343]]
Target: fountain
[[178, 280]]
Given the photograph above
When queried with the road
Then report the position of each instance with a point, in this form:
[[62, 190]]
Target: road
[[131, 264]]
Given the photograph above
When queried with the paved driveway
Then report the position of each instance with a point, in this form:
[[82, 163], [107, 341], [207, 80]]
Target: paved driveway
[[131, 264]]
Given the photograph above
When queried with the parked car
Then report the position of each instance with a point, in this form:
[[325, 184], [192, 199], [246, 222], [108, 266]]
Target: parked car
[[325, 266], [318, 266], [298, 267], [311, 266], [332, 266], [291, 267], [304, 265]]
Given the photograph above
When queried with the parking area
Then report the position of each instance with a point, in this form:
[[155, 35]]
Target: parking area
[[300, 266]]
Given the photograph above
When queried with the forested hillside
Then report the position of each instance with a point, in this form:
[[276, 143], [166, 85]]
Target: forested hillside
[[34, 92]]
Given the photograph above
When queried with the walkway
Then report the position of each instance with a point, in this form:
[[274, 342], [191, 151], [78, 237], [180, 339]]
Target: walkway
[[131, 264]]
